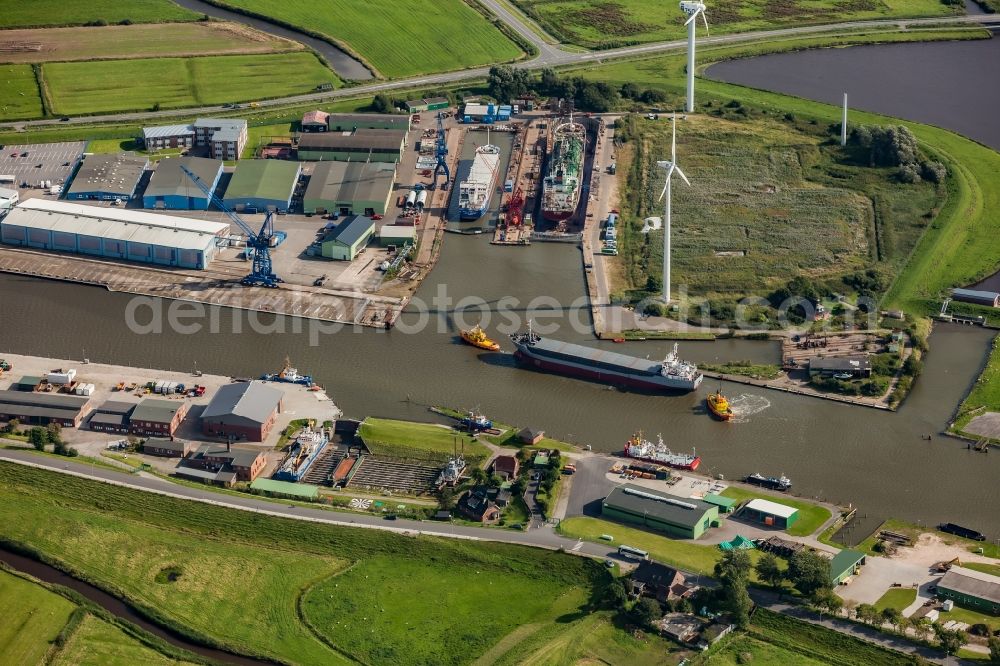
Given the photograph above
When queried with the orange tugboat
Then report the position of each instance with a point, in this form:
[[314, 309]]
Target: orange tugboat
[[477, 338], [719, 406]]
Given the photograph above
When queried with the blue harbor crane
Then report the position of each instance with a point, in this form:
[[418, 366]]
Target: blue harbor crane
[[258, 242], [441, 152]]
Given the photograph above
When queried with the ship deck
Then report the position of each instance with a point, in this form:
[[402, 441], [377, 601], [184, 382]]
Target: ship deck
[[596, 357]]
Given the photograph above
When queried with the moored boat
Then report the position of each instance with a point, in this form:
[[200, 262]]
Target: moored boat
[[643, 449], [772, 482], [561, 187], [719, 405], [476, 191], [477, 338], [289, 375]]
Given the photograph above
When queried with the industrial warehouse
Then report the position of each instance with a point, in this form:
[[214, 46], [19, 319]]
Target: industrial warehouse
[[348, 238], [171, 188], [351, 122], [113, 233], [377, 145], [107, 177], [260, 185], [348, 188], [244, 410], [680, 518]]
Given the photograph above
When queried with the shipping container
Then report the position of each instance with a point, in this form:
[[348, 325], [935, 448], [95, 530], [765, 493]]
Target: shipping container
[[61, 377]]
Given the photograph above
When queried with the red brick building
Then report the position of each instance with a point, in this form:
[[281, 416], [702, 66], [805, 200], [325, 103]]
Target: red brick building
[[506, 466], [157, 417], [246, 464], [244, 411]]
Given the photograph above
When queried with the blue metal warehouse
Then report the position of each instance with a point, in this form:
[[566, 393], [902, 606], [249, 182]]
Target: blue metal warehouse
[[116, 234], [171, 188], [107, 177]]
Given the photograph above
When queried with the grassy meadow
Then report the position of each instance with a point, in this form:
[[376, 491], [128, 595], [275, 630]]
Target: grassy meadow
[[142, 41], [32, 618], [99, 643], [419, 441], [397, 39], [19, 96], [811, 516], [600, 24], [320, 594], [898, 597], [44, 13], [80, 88]]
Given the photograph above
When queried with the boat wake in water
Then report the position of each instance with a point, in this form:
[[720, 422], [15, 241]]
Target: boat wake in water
[[747, 405]]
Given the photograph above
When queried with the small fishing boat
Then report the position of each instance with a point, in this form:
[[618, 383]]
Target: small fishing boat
[[719, 405], [478, 338]]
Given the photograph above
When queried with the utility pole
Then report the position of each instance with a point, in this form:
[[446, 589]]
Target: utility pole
[[843, 124]]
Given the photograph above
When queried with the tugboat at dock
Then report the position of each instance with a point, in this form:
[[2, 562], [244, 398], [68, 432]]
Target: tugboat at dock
[[781, 483], [289, 375]]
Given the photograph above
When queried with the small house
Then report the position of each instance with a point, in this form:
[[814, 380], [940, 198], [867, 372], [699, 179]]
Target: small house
[[476, 505], [658, 581]]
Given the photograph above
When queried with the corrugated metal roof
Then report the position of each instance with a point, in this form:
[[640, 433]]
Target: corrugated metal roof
[[772, 508], [263, 179], [157, 410], [56, 400], [397, 231], [115, 173], [252, 401], [975, 293], [129, 215], [7, 194], [674, 510], [315, 117], [350, 181], [364, 120], [351, 230], [973, 583], [220, 123], [169, 181], [163, 131], [363, 139]]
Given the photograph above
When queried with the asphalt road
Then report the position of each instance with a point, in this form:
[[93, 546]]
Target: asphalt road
[[549, 56]]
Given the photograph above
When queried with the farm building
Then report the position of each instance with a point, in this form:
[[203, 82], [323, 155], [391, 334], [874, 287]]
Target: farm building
[[43, 408], [113, 233], [157, 417], [350, 236], [224, 137], [315, 121], [168, 448], [163, 137], [972, 589], [246, 410], [856, 366], [374, 145], [845, 564], [351, 122], [8, 199], [681, 518], [107, 177], [398, 235], [770, 513], [427, 104], [990, 299], [349, 188], [171, 188], [112, 416], [259, 185]]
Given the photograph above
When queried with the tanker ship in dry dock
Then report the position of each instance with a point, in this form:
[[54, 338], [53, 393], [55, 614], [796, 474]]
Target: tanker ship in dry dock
[[561, 187], [566, 358]]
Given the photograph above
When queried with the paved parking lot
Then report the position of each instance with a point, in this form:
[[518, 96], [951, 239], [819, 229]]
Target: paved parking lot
[[37, 162]]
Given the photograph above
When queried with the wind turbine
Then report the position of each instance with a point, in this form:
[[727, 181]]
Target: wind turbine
[[669, 166], [692, 9]]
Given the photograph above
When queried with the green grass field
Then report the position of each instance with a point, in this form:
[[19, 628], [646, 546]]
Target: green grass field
[[811, 516], [985, 393], [993, 569], [897, 597], [419, 441], [79, 88], [99, 643], [762, 653], [40, 13], [32, 618], [398, 39], [199, 568], [602, 24], [962, 614], [19, 98]]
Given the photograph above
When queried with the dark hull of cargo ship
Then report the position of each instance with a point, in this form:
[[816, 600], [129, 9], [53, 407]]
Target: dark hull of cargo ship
[[604, 377], [556, 215]]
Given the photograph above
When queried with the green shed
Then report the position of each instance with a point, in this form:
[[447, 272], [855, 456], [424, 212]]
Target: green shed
[[725, 504], [845, 564], [427, 104], [285, 489], [770, 513], [348, 239], [680, 518]]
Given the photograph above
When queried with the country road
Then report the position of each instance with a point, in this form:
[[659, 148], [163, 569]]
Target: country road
[[549, 56]]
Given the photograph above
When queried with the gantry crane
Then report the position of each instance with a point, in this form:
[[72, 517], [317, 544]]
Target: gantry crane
[[441, 152], [258, 242]]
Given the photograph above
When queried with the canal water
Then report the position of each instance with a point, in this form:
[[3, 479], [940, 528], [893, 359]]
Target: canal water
[[49, 574]]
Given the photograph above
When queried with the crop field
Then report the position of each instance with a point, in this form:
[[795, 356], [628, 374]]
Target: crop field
[[19, 96], [41, 13], [320, 594], [397, 39], [32, 618], [406, 439], [601, 24], [137, 41], [78, 88]]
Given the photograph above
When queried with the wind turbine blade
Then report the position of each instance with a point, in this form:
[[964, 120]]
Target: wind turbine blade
[[663, 193], [673, 139], [681, 174], [705, 19], [693, 17]]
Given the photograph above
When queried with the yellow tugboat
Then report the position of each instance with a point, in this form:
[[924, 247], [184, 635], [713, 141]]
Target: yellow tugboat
[[719, 406], [477, 338]]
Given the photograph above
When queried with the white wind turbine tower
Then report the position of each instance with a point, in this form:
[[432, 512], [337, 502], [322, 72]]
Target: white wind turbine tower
[[692, 9], [669, 166]]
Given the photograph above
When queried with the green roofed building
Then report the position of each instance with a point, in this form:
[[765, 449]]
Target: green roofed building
[[725, 504], [285, 489], [845, 564], [972, 589], [348, 238], [680, 518], [350, 188], [259, 185]]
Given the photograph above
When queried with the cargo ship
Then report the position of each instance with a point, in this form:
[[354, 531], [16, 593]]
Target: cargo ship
[[561, 187], [670, 374], [772, 482], [643, 449], [475, 192]]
